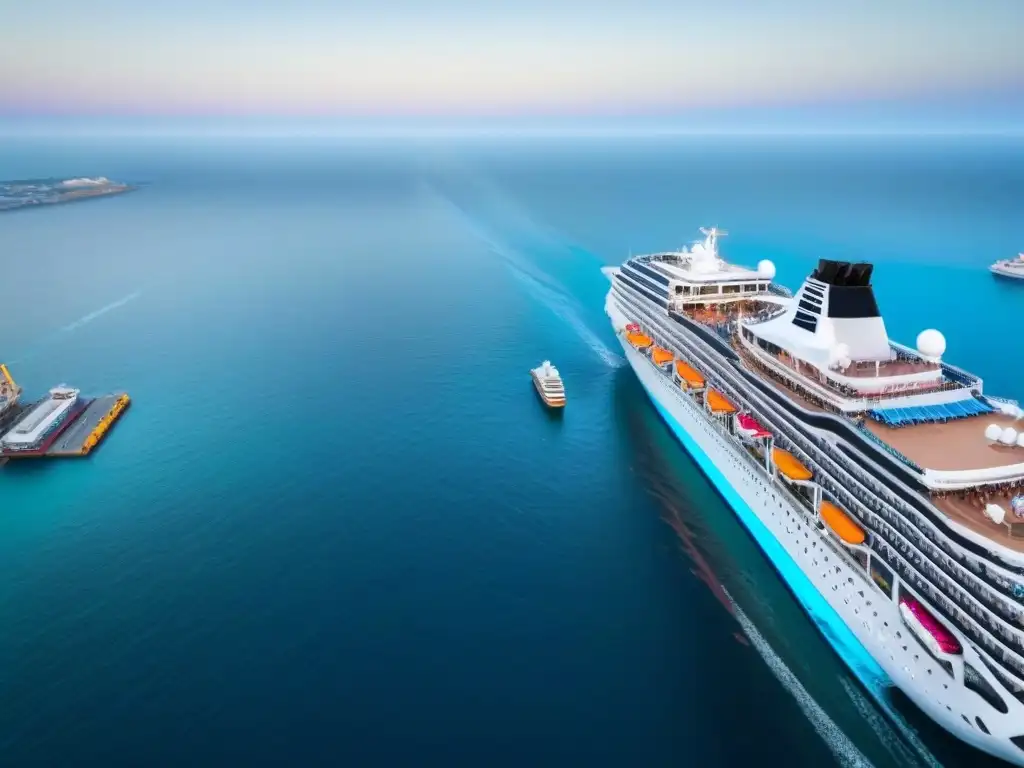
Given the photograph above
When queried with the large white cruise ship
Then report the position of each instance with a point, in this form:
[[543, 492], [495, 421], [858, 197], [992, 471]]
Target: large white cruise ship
[[882, 482]]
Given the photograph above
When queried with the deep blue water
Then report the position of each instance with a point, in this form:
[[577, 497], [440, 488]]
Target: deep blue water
[[337, 528]]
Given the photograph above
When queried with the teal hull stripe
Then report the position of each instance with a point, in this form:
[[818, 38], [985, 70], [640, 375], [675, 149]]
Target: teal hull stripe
[[842, 639]]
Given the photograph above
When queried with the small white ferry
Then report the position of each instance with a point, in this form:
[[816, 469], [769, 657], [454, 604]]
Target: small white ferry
[[549, 385], [1012, 268]]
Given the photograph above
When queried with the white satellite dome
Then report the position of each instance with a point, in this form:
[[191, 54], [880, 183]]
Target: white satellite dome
[[1009, 436], [931, 343], [766, 268], [993, 432]]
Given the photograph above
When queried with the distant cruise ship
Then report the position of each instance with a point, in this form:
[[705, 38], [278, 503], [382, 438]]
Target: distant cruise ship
[[882, 482], [1010, 267], [548, 383]]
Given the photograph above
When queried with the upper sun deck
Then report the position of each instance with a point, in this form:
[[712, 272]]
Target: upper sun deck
[[690, 268], [955, 445], [968, 511], [701, 271]]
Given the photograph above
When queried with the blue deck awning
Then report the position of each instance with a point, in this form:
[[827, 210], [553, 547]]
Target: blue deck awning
[[926, 414]]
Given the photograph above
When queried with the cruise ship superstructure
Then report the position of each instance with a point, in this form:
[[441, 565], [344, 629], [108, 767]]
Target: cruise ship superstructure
[[883, 483], [549, 384], [1013, 268]]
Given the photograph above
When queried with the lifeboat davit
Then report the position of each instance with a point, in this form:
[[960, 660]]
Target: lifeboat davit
[[928, 629]]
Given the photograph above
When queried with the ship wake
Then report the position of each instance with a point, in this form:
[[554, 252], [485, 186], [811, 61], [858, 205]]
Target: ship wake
[[100, 312], [920, 756], [844, 750], [73, 326], [538, 284]]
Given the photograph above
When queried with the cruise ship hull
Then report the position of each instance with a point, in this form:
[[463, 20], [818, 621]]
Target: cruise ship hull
[[1009, 274], [863, 627]]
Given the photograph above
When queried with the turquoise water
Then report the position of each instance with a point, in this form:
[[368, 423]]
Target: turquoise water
[[337, 526]]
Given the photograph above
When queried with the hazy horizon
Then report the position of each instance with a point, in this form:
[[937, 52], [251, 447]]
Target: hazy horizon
[[897, 66]]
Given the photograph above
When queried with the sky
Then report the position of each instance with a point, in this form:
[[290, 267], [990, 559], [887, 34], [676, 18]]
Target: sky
[[649, 62]]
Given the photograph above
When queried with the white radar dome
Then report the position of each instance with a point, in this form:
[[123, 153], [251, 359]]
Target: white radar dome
[[931, 343], [1009, 436], [993, 432], [766, 268]]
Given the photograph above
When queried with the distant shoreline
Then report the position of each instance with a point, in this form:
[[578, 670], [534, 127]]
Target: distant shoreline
[[21, 195]]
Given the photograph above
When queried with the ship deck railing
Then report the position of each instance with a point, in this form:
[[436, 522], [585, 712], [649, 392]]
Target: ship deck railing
[[842, 398], [853, 502]]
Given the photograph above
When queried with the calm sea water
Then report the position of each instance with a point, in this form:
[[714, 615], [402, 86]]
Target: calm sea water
[[337, 528]]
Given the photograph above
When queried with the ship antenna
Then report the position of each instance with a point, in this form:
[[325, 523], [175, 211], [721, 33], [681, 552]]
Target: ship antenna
[[711, 236]]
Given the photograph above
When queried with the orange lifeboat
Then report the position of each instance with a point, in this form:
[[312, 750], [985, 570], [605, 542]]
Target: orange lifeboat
[[718, 403], [842, 524], [790, 466], [690, 377], [639, 340], [661, 356]]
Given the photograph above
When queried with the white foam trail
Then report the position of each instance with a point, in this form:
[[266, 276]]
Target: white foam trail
[[538, 283], [844, 750], [886, 730], [543, 288], [52, 337], [568, 315], [100, 312]]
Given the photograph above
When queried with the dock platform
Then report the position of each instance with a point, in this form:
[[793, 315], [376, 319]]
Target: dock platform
[[91, 426]]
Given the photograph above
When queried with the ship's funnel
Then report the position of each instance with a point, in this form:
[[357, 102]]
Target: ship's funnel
[[837, 304]]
